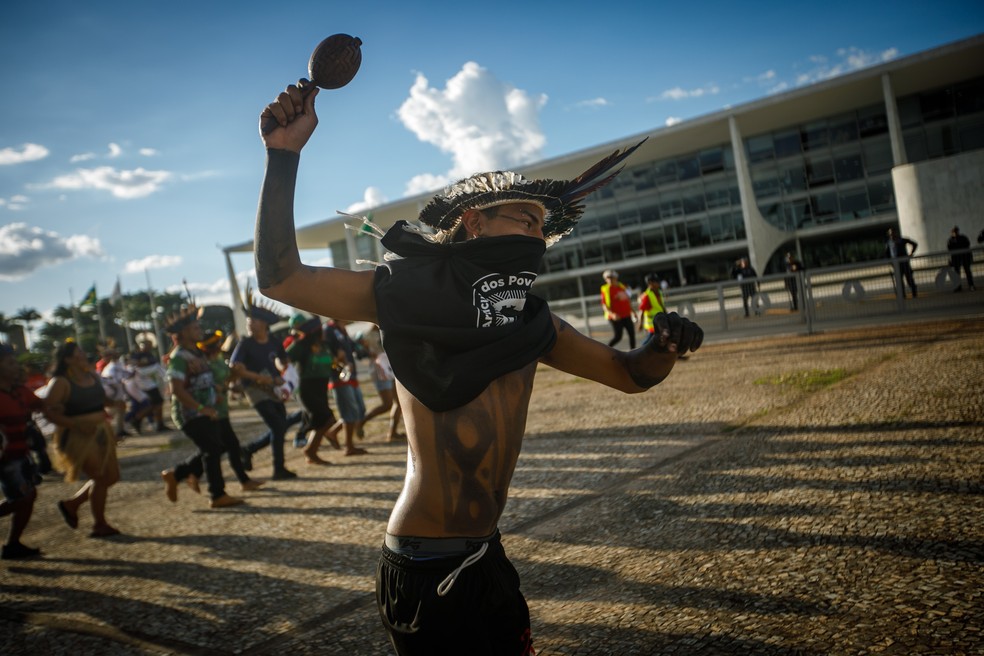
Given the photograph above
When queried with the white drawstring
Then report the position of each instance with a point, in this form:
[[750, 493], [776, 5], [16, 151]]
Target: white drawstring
[[445, 586]]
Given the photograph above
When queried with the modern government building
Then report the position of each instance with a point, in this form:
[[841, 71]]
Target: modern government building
[[821, 171]]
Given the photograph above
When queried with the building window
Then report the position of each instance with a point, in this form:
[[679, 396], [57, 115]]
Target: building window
[[882, 196], [759, 148], [339, 254], [848, 167], [877, 156], [711, 160], [843, 129], [854, 204], [654, 241], [787, 144], [824, 207], [814, 136], [872, 121]]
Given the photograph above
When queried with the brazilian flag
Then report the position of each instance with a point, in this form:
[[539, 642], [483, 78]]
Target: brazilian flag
[[89, 300]]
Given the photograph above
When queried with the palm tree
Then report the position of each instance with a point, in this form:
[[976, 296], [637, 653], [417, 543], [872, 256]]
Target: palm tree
[[26, 316]]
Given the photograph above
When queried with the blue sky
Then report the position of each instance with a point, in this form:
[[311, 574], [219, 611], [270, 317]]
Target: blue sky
[[128, 138]]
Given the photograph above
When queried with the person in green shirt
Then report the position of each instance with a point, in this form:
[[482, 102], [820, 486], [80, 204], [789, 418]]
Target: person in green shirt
[[314, 363], [193, 401], [211, 346]]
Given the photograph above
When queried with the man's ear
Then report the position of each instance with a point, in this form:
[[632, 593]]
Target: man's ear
[[470, 221]]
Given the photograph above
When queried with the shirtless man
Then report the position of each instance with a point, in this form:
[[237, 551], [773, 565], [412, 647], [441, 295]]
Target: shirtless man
[[464, 340]]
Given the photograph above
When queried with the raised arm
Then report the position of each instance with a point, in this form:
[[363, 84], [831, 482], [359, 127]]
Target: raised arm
[[631, 372], [280, 273]]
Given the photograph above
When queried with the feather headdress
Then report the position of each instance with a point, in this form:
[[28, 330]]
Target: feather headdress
[[255, 309], [178, 321], [561, 200], [175, 322]]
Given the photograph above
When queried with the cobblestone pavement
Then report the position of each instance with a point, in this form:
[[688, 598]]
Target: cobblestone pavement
[[791, 495]]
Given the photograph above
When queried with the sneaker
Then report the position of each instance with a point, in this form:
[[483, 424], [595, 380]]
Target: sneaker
[[250, 485], [18, 550], [283, 475], [247, 459], [225, 501], [300, 442]]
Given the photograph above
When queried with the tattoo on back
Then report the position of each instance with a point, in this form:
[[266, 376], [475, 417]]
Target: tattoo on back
[[477, 447]]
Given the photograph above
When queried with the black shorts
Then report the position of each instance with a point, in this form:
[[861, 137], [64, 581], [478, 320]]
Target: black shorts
[[314, 398], [154, 395], [18, 478], [483, 614]]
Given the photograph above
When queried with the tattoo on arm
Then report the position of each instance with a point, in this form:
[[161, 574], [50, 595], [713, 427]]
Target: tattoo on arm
[[641, 374], [275, 242]]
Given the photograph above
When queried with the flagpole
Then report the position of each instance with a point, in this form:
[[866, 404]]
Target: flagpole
[[102, 321], [75, 317], [126, 324], [153, 314]]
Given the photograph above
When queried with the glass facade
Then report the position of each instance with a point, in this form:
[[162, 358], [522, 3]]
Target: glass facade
[[825, 171], [833, 171], [652, 209], [944, 121]]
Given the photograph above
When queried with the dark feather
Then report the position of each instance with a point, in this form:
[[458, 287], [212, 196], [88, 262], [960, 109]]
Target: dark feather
[[585, 183]]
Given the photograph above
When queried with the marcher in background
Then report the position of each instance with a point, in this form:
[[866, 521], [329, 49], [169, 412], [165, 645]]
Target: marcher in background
[[897, 246], [36, 382], [113, 374], [18, 475], [193, 410], [743, 271], [211, 346], [151, 379], [650, 304], [961, 257], [344, 385], [617, 302], [84, 441], [314, 361], [385, 382], [260, 360], [793, 267]]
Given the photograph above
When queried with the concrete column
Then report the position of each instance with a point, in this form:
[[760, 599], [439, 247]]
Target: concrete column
[[894, 125], [762, 237], [238, 314]]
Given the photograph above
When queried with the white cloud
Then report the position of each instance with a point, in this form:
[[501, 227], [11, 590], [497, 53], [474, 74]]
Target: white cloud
[[672, 120], [28, 152], [149, 152], [593, 103], [426, 182], [82, 157], [373, 197], [24, 249], [482, 122], [847, 60], [114, 151], [679, 93], [15, 202], [152, 262], [120, 183]]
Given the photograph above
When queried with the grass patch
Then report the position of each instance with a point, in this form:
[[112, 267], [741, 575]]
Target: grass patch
[[806, 381]]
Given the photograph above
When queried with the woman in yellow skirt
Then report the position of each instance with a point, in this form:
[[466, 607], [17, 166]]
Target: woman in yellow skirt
[[84, 440]]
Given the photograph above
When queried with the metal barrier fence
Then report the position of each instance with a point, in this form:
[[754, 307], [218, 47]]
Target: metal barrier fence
[[851, 293]]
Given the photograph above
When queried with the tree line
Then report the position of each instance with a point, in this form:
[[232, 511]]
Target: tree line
[[83, 324]]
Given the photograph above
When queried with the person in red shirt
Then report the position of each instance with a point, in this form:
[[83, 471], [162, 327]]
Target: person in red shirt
[[617, 302], [18, 476]]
